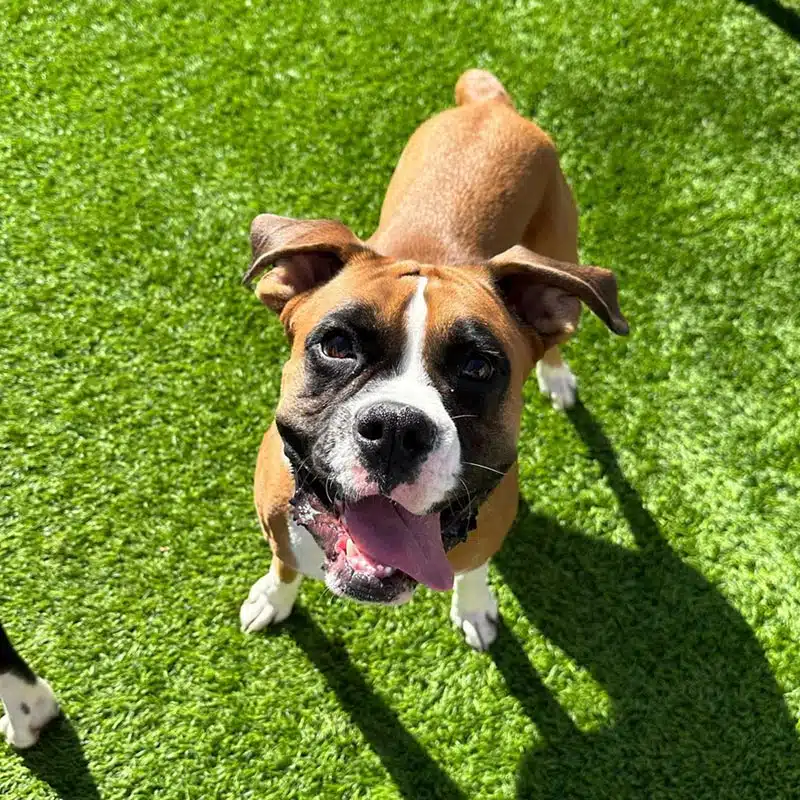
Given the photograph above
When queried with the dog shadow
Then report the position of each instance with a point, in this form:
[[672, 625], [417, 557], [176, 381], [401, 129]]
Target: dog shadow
[[416, 775], [696, 711], [784, 17], [58, 760]]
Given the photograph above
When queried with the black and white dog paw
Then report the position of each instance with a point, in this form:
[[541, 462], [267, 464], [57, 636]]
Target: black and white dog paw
[[29, 707]]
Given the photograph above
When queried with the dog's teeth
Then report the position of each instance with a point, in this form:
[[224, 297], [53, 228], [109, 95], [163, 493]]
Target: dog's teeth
[[361, 563]]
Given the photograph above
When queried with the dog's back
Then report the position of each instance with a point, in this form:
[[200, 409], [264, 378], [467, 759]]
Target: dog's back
[[475, 180]]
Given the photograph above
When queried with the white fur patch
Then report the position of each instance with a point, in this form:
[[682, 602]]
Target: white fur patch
[[29, 707], [416, 317], [411, 386], [474, 608], [558, 383]]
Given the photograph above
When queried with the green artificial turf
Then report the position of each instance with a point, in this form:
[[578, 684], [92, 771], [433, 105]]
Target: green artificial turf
[[650, 592]]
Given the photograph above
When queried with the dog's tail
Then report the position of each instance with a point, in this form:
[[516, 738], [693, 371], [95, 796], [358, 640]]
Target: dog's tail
[[476, 85]]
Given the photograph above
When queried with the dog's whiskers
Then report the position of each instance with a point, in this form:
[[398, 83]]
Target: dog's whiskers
[[328, 482], [466, 489], [298, 473], [483, 466]]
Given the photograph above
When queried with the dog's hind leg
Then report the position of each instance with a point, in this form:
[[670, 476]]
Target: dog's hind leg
[[553, 232], [28, 700], [556, 379]]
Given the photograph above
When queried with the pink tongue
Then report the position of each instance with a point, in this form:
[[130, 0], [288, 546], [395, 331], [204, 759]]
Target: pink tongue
[[396, 537]]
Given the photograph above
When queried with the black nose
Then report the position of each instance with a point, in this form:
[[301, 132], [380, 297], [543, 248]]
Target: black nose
[[394, 440]]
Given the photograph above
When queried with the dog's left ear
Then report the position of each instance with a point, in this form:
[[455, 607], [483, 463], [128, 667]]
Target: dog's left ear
[[545, 294], [304, 254]]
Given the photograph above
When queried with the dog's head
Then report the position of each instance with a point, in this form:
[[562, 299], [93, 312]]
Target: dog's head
[[401, 400]]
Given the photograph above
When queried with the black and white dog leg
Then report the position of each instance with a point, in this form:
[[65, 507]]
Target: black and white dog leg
[[28, 700]]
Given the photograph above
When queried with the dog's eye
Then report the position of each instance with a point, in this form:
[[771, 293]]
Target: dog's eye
[[477, 368], [337, 345]]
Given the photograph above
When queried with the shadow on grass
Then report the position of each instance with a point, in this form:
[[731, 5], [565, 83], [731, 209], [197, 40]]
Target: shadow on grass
[[696, 713], [58, 760], [785, 18], [416, 775]]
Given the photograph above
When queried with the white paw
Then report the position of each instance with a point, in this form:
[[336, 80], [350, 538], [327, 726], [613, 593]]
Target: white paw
[[479, 627], [268, 603], [558, 383], [29, 708], [474, 608]]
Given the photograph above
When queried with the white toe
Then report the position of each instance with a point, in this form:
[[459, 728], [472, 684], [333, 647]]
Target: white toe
[[558, 383], [268, 603]]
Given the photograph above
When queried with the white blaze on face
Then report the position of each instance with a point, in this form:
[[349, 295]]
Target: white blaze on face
[[412, 387]]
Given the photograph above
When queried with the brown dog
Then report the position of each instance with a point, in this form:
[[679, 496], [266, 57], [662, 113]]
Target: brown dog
[[392, 458]]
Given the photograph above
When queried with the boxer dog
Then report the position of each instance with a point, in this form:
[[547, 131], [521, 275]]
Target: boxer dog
[[392, 458], [28, 700]]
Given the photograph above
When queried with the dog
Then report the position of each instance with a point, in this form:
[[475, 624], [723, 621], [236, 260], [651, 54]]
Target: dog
[[392, 459], [28, 699]]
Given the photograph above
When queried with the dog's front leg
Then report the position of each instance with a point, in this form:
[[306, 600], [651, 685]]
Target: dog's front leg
[[271, 597], [474, 608]]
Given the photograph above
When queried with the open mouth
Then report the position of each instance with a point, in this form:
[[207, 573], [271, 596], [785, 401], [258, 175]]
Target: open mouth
[[376, 550]]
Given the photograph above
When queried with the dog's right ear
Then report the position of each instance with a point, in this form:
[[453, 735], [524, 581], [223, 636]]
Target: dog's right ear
[[304, 254]]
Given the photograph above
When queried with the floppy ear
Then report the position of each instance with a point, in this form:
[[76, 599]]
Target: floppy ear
[[305, 253], [545, 294]]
